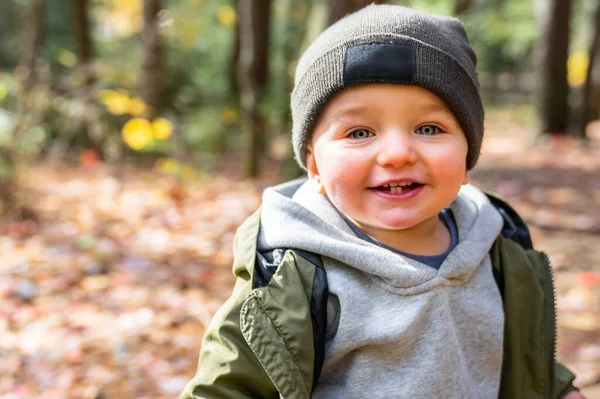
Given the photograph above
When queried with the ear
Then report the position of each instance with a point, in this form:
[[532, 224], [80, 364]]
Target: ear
[[313, 171], [466, 179]]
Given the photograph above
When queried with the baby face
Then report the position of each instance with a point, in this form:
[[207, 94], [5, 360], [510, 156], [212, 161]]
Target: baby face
[[388, 156]]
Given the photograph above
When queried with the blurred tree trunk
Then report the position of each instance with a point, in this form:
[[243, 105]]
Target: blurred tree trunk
[[8, 202], [462, 6], [263, 23], [316, 22], [151, 82], [26, 76], [31, 40], [85, 67], [263, 20], [83, 39], [554, 84], [254, 22], [296, 17], [340, 8], [591, 89], [234, 86]]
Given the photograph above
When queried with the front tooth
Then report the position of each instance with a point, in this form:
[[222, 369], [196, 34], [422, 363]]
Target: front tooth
[[396, 190]]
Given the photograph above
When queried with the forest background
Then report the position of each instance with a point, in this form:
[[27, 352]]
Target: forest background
[[136, 135]]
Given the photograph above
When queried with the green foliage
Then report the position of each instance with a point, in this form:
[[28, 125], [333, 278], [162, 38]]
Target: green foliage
[[287, 33], [7, 103], [197, 53], [503, 35], [197, 47], [205, 130], [10, 27], [443, 7], [58, 32], [502, 32]]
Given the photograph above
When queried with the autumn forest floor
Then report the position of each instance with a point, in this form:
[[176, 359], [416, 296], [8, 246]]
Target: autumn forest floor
[[107, 290]]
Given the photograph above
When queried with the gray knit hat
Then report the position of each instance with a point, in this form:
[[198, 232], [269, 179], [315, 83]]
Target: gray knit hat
[[389, 44]]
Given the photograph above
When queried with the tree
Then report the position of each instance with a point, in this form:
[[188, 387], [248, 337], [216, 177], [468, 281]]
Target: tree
[[83, 39], [234, 86], [554, 84], [462, 6], [85, 54], [296, 22], [26, 77], [340, 8], [151, 82], [254, 22], [591, 88], [30, 42]]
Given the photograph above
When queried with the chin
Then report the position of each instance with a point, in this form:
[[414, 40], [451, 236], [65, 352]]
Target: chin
[[400, 222], [398, 226], [390, 225]]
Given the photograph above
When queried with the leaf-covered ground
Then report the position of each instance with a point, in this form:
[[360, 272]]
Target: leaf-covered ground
[[106, 291]]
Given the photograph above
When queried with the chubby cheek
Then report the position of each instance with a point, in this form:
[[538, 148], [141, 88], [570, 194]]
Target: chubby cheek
[[449, 169], [344, 177]]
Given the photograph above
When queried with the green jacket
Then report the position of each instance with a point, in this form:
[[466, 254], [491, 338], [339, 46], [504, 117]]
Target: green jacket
[[260, 344]]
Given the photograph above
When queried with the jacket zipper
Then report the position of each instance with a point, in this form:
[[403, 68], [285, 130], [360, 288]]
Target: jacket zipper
[[551, 311]]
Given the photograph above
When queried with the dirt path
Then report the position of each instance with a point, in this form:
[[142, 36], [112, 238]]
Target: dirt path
[[110, 288]]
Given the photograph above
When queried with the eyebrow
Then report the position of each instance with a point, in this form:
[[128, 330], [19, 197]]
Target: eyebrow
[[348, 111], [432, 107], [352, 110]]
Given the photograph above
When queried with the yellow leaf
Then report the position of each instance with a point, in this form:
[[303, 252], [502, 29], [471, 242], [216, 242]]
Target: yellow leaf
[[116, 102], [4, 90], [188, 173], [167, 166], [162, 129], [228, 115], [577, 67], [66, 58], [123, 17], [137, 133], [136, 106], [227, 16]]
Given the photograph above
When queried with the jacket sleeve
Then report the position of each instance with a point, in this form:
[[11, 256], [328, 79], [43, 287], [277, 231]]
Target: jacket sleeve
[[227, 367], [563, 381]]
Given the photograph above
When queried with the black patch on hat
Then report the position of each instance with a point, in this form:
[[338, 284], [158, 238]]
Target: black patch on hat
[[379, 62]]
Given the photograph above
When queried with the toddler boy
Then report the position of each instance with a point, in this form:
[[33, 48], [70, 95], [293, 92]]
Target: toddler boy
[[385, 274]]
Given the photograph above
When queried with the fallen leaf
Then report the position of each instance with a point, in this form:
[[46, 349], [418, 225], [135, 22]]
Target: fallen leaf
[[589, 278]]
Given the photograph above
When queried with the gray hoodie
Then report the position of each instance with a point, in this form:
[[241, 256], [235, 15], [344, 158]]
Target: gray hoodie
[[397, 328]]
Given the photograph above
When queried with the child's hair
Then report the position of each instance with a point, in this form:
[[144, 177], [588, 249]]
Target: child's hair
[[389, 44]]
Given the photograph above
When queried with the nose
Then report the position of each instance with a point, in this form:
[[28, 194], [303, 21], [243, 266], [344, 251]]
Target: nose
[[397, 150]]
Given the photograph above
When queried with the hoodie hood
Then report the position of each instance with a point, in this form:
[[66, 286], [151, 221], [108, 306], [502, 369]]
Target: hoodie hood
[[294, 215]]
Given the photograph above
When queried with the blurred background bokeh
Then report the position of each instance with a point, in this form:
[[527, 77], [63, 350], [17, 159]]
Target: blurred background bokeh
[[136, 135]]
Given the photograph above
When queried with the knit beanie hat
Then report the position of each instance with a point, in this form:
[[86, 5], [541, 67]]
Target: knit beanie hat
[[389, 44]]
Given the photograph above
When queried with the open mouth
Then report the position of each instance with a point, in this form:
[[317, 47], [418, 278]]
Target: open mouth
[[398, 188]]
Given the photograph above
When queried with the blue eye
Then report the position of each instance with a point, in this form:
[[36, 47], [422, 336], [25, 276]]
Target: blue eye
[[360, 134], [428, 130]]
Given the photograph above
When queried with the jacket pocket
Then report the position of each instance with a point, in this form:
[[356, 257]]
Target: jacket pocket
[[276, 323], [269, 346]]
